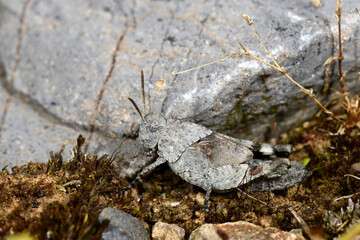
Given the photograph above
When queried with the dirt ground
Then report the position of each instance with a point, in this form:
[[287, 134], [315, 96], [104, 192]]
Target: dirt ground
[[65, 198]]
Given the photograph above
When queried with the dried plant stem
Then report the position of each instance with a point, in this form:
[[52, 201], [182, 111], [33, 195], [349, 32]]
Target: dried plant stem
[[276, 65], [327, 72], [282, 70], [344, 197], [267, 52], [305, 227], [353, 176], [253, 198], [307, 91], [204, 65], [341, 57]]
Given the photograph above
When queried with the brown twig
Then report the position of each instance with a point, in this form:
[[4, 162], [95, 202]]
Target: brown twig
[[327, 72], [251, 24], [303, 224], [201, 66], [340, 57], [249, 196]]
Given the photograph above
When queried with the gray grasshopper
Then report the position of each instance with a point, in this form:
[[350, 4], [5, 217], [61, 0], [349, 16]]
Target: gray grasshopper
[[214, 161]]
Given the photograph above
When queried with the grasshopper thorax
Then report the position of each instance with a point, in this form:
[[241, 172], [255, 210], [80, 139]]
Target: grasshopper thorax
[[152, 129]]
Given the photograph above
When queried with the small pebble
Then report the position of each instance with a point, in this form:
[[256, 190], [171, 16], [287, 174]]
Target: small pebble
[[200, 199]]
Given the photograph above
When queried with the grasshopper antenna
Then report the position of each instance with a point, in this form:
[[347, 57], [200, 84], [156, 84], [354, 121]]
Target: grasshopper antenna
[[143, 91], [133, 102], [143, 97]]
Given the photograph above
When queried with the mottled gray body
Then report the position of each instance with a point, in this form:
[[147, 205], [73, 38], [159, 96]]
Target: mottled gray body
[[213, 161], [219, 163]]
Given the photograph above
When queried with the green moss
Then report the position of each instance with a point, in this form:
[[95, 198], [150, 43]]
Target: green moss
[[237, 108], [266, 99], [274, 109], [236, 117], [76, 218]]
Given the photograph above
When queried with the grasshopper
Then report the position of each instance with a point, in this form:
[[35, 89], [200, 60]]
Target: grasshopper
[[211, 160]]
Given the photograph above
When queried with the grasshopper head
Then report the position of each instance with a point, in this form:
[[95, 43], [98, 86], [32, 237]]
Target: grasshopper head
[[152, 129], [153, 126]]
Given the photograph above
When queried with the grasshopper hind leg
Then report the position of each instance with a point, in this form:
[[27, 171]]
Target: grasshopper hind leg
[[207, 200], [267, 150], [283, 150]]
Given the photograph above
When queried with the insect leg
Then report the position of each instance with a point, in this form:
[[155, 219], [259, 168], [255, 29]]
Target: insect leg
[[267, 150], [283, 150], [146, 170], [207, 199]]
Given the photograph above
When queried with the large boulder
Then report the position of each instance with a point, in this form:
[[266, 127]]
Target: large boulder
[[80, 60]]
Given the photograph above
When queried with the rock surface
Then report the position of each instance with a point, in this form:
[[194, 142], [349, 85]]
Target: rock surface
[[122, 226], [74, 63], [164, 231], [240, 231]]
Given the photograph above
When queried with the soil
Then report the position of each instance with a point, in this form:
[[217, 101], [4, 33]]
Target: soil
[[36, 199]]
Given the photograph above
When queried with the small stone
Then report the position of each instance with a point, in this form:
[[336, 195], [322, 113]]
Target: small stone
[[240, 230], [219, 207], [200, 216], [356, 166], [306, 124], [200, 199], [273, 141], [134, 193], [316, 3], [297, 232], [265, 221], [284, 136], [164, 231], [122, 225], [174, 204]]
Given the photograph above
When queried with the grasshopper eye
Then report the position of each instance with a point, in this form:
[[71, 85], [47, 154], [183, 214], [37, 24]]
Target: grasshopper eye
[[154, 125]]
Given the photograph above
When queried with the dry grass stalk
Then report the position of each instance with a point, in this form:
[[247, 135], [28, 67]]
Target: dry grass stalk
[[275, 66], [352, 107], [160, 84], [282, 70], [329, 61]]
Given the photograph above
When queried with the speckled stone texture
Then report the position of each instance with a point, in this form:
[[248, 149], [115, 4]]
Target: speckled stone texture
[[78, 61], [122, 226]]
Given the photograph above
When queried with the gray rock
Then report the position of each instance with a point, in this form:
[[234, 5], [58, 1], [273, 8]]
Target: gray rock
[[74, 53], [164, 231], [241, 231], [122, 226], [29, 136]]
